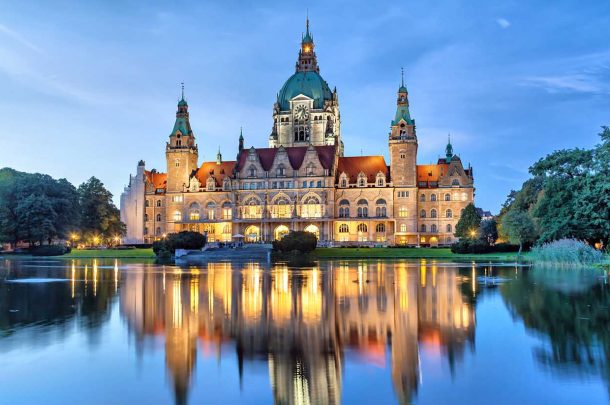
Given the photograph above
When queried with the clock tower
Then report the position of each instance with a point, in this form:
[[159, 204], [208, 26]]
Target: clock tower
[[307, 110]]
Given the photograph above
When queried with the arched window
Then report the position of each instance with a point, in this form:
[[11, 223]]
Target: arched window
[[344, 209], [227, 210], [432, 197], [433, 228], [226, 184], [363, 209], [343, 181], [423, 228], [422, 197], [158, 231], [422, 214], [158, 203], [211, 208], [177, 216], [403, 228], [380, 210], [380, 228], [447, 197], [147, 203], [226, 229], [432, 213], [362, 228], [449, 228], [449, 213], [145, 231], [194, 215], [145, 217], [158, 217], [343, 228]]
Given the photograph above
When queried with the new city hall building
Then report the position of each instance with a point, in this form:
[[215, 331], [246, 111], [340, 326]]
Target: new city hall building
[[302, 181]]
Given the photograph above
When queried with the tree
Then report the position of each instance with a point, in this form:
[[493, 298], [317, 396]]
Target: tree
[[488, 231], [469, 222], [98, 214], [519, 227], [37, 219]]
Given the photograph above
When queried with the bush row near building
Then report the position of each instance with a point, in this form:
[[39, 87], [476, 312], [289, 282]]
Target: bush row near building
[[299, 241], [182, 240], [467, 245]]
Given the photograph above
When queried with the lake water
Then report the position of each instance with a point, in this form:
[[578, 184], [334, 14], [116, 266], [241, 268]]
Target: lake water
[[373, 332]]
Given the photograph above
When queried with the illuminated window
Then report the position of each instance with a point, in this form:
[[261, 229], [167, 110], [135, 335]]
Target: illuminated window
[[402, 212], [227, 210], [177, 216], [403, 227], [380, 228], [343, 228], [194, 215], [362, 228], [211, 208]]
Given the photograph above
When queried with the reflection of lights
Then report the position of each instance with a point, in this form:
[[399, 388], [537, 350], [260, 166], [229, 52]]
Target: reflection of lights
[[281, 300], [73, 277], [116, 274], [474, 278], [195, 295], [311, 298], [94, 277], [176, 303], [422, 272]]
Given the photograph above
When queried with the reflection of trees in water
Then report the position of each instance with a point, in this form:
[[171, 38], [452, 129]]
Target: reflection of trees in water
[[33, 309], [572, 312], [301, 321]]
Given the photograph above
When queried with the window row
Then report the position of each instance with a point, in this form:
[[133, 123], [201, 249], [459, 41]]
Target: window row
[[434, 214], [158, 203], [361, 228], [446, 197]]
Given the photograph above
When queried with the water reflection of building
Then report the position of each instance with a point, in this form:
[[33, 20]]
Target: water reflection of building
[[300, 322]]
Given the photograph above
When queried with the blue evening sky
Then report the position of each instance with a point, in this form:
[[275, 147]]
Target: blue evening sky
[[89, 88]]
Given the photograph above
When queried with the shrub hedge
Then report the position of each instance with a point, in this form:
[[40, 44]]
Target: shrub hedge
[[180, 240], [299, 241]]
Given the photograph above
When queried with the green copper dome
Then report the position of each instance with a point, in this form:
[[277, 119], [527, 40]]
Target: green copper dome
[[309, 84], [182, 103]]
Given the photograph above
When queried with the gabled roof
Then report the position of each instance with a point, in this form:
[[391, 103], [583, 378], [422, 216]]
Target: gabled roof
[[296, 155], [369, 165], [431, 173], [218, 171], [158, 180]]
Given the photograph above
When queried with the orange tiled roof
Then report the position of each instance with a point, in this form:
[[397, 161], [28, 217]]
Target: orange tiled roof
[[158, 180], [431, 173], [369, 165], [218, 171]]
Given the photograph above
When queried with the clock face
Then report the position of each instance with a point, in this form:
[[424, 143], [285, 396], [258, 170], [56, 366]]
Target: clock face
[[301, 112]]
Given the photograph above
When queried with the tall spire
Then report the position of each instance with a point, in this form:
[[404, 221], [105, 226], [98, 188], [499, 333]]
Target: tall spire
[[182, 85], [241, 139], [402, 88], [307, 57], [218, 157], [449, 149]]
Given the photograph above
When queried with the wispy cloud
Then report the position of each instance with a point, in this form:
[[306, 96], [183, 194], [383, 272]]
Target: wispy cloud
[[503, 23], [19, 38], [579, 83]]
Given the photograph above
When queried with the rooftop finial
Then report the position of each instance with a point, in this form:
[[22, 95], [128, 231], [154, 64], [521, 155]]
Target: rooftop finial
[[307, 22], [402, 76], [182, 85]]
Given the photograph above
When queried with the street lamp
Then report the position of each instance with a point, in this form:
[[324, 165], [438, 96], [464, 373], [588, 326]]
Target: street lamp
[[473, 233]]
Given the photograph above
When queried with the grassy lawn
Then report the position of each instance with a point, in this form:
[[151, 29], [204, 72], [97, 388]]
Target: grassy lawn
[[432, 253], [110, 253]]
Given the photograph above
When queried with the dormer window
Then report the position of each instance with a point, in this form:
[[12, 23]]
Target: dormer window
[[361, 180], [252, 171], [343, 180], [211, 184], [310, 169], [226, 184], [380, 180], [280, 171]]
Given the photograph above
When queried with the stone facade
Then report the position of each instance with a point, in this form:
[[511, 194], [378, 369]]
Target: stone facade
[[302, 181]]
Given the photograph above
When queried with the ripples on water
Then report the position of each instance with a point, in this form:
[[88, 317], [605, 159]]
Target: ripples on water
[[336, 332]]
